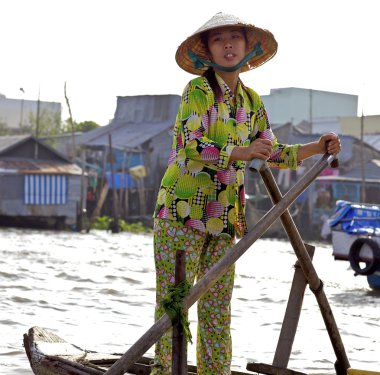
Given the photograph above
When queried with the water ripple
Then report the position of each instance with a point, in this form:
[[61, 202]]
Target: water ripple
[[97, 290]]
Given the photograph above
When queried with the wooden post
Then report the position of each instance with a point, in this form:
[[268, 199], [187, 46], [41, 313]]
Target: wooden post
[[126, 201], [127, 185], [115, 223], [83, 194], [315, 284], [292, 315], [103, 187], [99, 205], [140, 184], [179, 344]]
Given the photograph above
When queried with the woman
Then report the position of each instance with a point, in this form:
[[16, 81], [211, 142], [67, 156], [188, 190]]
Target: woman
[[220, 126]]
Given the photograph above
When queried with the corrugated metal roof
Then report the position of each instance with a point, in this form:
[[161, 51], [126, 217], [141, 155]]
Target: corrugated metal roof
[[38, 167], [9, 141], [137, 119], [22, 164], [123, 136], [371, 171], [373, 140], [147, 108]]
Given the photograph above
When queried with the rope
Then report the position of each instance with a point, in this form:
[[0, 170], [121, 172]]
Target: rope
[[199, 62], [172, 304]]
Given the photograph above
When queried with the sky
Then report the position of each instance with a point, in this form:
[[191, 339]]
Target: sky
[[102, 49]]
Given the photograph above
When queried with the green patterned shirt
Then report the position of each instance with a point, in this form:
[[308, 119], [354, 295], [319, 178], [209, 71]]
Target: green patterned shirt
[[201, 187]]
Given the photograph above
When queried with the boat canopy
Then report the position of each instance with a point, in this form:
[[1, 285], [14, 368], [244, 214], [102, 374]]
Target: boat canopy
[[356, 218]]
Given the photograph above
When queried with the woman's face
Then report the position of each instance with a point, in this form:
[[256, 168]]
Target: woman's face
[[227, 45]]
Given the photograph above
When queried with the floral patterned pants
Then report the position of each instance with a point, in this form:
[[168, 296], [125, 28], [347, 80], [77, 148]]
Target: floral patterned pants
[[214, 347]]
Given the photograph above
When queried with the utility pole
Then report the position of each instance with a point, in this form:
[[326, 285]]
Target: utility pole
[[363, 185], [38, 115], [22, 108], [37, 126], [115, 228], [311, 109]]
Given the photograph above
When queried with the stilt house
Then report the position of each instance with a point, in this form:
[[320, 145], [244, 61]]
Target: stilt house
[[132, 152]]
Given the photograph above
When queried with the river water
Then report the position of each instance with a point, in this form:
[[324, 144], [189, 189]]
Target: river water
[[96, 290]]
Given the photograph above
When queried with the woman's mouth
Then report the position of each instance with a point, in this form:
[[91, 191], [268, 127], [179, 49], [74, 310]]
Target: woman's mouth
[[229, 56]]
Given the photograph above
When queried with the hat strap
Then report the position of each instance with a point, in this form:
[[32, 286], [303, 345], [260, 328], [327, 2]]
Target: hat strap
[[199, 62]]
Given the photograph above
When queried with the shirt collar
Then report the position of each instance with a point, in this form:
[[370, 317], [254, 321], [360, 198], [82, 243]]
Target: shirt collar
[[227, 91]]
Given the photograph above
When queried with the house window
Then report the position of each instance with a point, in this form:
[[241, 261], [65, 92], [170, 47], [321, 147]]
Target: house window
[[45, 189]]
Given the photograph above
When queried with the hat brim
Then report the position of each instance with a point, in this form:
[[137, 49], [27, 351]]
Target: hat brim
[[254, 35]]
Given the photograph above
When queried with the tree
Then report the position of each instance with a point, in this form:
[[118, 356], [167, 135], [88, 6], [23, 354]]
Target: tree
[[82, 127], [86, 126]]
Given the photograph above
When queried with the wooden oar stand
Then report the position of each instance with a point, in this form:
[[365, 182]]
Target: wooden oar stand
[[287, 334], [289, 327], [304, 274]]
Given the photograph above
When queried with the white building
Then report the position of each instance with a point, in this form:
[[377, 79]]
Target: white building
[[297, 105], [16, 114]]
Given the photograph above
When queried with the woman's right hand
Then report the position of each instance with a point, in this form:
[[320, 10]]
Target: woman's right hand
[[258, 149]]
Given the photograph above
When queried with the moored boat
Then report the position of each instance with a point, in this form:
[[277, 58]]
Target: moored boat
[[356, 238]]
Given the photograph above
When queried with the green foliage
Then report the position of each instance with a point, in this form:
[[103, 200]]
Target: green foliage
[[67, 127], [3, 128], [49, 124], [133, 227], [104, 223], [84, 126]]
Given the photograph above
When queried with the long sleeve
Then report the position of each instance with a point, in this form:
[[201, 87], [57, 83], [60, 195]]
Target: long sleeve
[[283, 155], [195, 137]]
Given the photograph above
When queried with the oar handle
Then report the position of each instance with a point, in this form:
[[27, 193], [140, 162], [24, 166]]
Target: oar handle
[[256, 165], [334, 162]]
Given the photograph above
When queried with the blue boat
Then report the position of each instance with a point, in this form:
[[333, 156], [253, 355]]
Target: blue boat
[[355, 229]]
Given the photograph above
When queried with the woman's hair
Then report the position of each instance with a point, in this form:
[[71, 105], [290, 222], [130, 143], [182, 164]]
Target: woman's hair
[[209, 74]]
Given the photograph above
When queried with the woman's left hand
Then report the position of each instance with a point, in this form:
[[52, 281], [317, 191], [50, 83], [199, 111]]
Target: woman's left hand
[[330, 142]]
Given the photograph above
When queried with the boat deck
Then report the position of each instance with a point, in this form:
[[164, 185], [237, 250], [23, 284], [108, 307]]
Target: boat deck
[[49, 354]]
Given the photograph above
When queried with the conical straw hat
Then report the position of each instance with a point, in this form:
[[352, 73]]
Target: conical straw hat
[[257, 38]]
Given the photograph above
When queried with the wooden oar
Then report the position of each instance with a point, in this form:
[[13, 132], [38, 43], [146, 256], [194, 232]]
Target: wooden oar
[[315, 284], [205, 283]]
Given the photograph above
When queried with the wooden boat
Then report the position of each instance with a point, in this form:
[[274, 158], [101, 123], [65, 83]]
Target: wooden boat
[[356, 238], [49, 354]]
